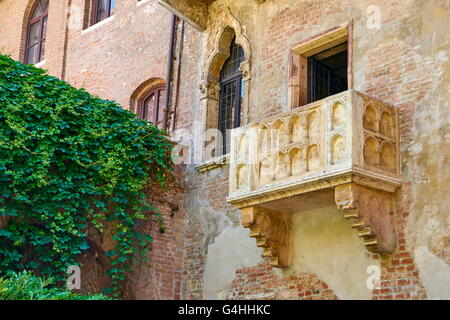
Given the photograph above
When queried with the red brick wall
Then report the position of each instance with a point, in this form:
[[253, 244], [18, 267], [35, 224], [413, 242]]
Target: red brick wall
[[111, 59], [261, 282], [161, 276], [15, 15], [397, 75], [202, 226]]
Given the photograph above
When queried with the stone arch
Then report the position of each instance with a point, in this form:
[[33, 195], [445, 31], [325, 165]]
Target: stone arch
[[266, 175], [283, 166], [387, 156], [242, 174], [142, 89], [264, 141], [298, 161], [297, 129], [217, 53], [243, 148], [370, 118], [313, 157], [280, 134], [337, 149], [221, 54], [370, 152], [313, 125], [223, 35], [338, 114], [387, 126]]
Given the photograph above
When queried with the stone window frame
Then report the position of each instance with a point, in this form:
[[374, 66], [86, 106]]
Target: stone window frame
[[298, 61], [218, 52]]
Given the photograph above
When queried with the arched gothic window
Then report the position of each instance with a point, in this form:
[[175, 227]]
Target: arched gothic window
[[151, 105], [37, 29], [231, 93]]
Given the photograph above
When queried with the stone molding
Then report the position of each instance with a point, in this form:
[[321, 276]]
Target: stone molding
[[220, 35], [214, 163], [272, 231]]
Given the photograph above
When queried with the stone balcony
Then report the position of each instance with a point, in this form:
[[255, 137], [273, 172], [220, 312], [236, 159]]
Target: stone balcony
[[342, 150]]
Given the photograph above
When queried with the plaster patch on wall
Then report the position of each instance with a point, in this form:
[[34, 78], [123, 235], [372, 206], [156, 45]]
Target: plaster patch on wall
[[434, 273], [442, 56], [416, 148], [231, 250], [326, 245]]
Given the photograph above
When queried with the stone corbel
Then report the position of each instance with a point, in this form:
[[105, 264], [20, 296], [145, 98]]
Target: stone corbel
[[371, 213], [209, 89], [244, 68], [272, 231]]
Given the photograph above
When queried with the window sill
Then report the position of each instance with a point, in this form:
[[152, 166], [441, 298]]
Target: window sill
[[40, 64], [97, 25], [213, 163], [141, 3]]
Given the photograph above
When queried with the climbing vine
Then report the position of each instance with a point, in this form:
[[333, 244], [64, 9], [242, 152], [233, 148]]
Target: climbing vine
[[70, 161]]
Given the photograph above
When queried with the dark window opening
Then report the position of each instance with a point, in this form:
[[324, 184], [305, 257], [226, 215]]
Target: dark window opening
[[327, 72], [151, 106], [231, 94]]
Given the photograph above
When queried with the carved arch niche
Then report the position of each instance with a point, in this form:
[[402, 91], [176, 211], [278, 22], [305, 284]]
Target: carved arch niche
[[218, 52]]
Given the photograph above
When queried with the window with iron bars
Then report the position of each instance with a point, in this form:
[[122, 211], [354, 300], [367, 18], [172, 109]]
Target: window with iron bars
[[231, 94]]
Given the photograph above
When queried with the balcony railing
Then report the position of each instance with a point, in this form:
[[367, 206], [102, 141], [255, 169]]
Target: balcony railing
[[347, 137]]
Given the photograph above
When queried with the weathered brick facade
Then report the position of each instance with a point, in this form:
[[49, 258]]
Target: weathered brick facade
[[398, 53]]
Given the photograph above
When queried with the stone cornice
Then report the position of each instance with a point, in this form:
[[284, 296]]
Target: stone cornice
[[214, 163]]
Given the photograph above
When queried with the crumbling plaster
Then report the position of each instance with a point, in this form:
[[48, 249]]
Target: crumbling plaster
[[325, 244]]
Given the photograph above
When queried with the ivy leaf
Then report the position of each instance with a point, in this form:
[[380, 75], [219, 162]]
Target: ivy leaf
[[69, 160]]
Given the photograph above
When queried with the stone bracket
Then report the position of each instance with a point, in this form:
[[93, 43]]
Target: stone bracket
[[272, 231], [371, 213]]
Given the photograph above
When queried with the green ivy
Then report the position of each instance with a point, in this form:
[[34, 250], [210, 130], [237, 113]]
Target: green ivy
[[68, 161], [27, 286]]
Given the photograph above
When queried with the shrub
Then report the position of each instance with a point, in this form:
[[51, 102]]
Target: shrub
[[68, 161], [26, 286]]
